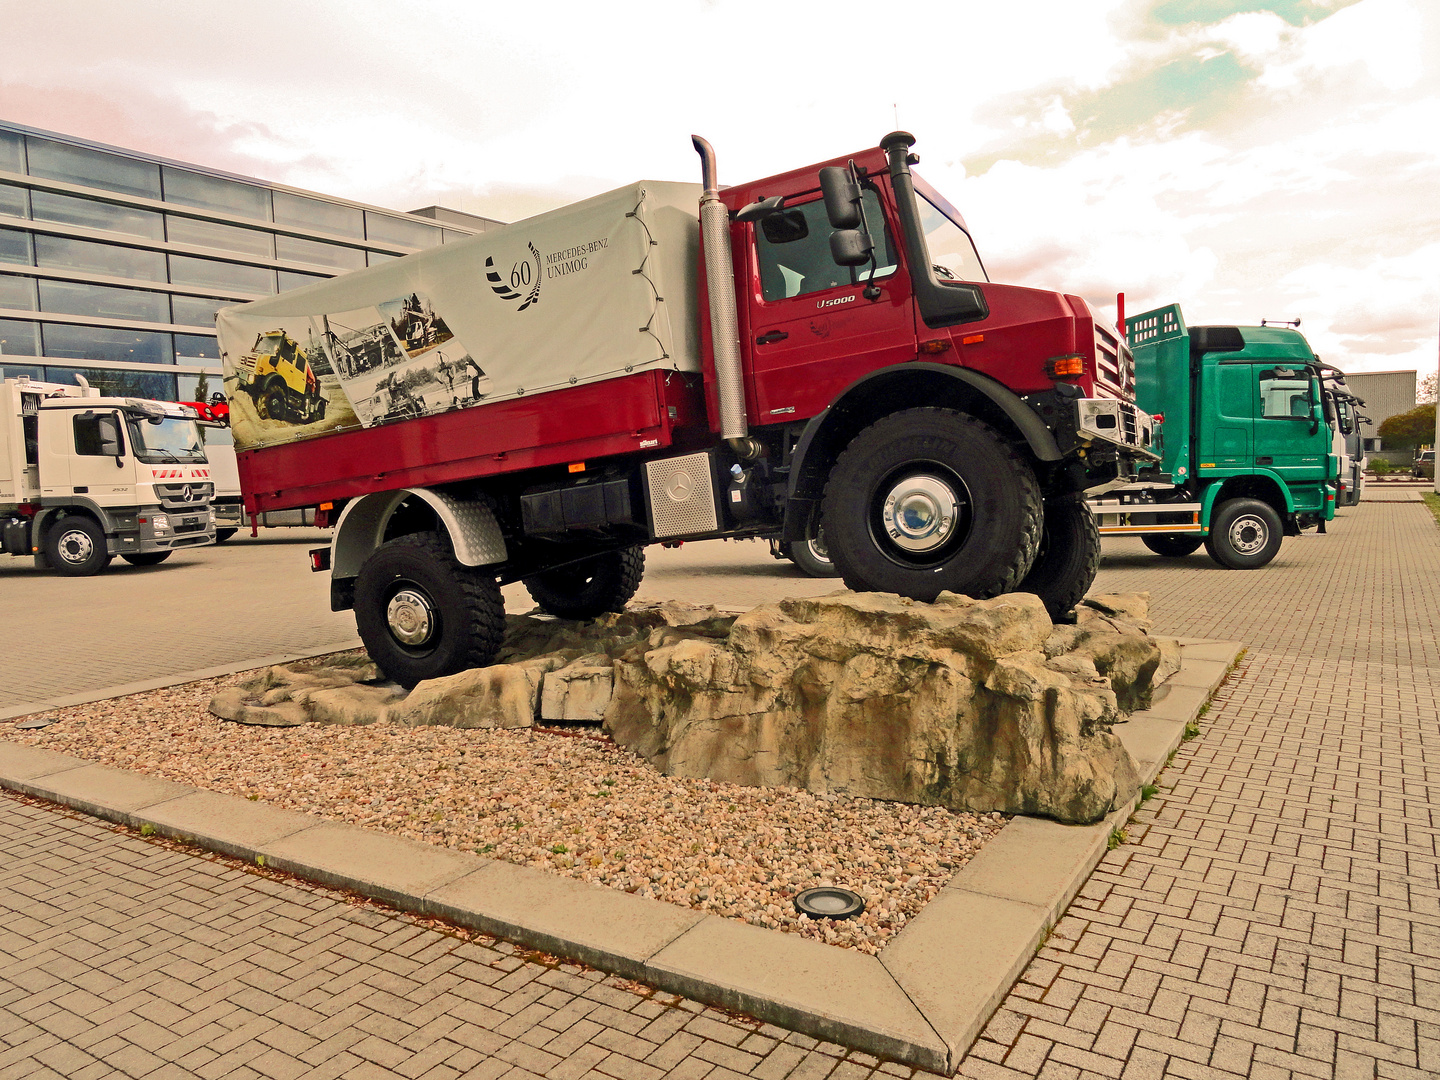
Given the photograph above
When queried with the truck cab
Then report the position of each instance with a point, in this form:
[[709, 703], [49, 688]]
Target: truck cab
[[1246, 450], [84, 478]]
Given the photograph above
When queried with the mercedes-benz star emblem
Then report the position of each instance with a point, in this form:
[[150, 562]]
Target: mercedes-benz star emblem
[[679, 487]]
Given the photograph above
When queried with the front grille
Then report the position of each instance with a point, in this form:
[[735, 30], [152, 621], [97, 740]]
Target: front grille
[[178, 495], [194, 526], [1113, 362]]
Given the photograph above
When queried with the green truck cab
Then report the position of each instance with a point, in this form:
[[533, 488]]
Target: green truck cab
[[1246, 449]]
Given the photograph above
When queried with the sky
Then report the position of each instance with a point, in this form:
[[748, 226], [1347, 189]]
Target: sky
[[1271, 160]]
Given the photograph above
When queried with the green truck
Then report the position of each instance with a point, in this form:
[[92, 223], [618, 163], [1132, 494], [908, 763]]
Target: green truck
[[1245, 445]]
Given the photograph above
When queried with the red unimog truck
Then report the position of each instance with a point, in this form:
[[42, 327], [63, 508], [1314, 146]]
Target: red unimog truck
[[539, 402]]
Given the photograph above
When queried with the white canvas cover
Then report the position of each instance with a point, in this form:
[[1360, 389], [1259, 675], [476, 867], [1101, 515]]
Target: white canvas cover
[[590, 291]]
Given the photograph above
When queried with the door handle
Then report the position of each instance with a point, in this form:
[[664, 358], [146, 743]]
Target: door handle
[[1264, 461], [772, 337]]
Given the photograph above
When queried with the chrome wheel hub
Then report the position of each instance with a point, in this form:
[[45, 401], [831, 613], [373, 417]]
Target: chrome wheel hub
[[76, 547], [1248, 534], [920, 512], [411, 617]]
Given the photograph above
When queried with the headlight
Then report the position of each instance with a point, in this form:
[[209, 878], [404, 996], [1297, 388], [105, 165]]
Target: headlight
[[212, 517], [160, 522]]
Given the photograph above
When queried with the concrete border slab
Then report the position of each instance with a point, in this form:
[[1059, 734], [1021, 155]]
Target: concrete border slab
[[922, 1002]]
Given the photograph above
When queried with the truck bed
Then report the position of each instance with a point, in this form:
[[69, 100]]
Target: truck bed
[[637, 413]]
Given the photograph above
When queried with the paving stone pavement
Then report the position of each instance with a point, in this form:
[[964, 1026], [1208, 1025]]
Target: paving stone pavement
[[1274, 913]]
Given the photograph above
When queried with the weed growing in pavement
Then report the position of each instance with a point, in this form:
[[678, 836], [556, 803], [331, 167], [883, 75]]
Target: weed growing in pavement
[[1148, 792], [147, 829], [485, 850], [1117, 837], [558, 849], [1192, 730]]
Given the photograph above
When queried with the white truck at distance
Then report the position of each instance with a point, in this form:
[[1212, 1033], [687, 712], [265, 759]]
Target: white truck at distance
[[84, 478]]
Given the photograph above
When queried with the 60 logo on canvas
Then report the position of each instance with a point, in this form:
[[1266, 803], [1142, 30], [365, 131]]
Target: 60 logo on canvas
[[522, 276]]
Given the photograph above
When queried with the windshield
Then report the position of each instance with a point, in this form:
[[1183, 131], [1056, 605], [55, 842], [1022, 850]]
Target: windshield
[[172, 440], [951, 251]]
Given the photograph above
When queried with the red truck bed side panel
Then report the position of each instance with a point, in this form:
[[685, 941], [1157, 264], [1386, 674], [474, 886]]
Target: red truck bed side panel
[[617, 416]]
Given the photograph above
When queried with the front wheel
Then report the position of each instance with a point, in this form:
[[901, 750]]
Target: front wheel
[[146, 558], [1245, 534], [75, 546], [422, 615], [1068, 559], [927, 500], [1172, 545], [221, 535], [590, 587]]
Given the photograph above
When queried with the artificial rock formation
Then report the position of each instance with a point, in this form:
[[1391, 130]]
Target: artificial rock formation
[[974, 705]]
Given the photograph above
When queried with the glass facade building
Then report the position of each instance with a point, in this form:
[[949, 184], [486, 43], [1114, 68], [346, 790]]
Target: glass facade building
[[113, 263]]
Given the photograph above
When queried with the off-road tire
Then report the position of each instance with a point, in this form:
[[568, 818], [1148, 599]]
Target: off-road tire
[[272, 404], [469, 613], [221, 535], [996, 533], [75, 546], [146, 558], [1172, 545], [1069, 556], [1245, 534], [582, 590]]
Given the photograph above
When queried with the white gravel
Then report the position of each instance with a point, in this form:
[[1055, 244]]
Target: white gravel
[[567, 800]]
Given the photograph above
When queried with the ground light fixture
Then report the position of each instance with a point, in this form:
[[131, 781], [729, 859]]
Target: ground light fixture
[[828, 902]]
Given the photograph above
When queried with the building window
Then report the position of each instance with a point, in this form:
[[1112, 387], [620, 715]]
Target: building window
[[103, 301], [197, 347], [382, 229], [28, 371], [318, 253], [112, 383], [213, 274], [103, 343], [13, 201], [93, 214], [293, 279], [205, 388], [93, 168], [66, 253], [18, 338], [12, 151], [196, 310], [183, 230], [215, 193], [319, 215], [17, 293], [15, 247]]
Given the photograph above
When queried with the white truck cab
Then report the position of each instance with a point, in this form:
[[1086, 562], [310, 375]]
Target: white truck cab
[[84, 478]]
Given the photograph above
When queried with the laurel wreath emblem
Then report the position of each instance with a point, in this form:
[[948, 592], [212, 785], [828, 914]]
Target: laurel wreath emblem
[[521, 275]]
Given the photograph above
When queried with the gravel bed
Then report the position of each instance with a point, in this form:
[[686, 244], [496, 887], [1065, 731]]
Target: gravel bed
[[567, 800]]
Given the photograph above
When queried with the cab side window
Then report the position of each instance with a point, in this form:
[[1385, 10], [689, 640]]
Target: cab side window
[[97, 435], [793, 251], [1285, 394]]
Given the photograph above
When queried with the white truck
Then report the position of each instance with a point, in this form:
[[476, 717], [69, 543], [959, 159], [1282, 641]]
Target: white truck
[[84, 478]]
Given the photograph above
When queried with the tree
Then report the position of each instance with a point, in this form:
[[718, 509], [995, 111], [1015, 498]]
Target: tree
[[1407, 430], [1425, 391]]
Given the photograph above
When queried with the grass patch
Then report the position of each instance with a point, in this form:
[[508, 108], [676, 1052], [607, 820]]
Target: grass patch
[[1433, 502], [1148, 792]]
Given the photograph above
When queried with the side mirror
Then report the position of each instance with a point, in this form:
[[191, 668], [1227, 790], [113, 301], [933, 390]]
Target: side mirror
[[119, 461], [758, 211], [850, 247], [842, 198]]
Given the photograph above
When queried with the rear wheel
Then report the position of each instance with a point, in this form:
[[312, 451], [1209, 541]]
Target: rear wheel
[[1068, 559], [1172, 545], [221, 535], [146, 558], [423, 615], [927, 500], [1245, 534], [75, 546], [591, 587]]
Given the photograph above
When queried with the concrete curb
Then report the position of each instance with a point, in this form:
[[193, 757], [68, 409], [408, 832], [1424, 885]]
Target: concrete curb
[[922, 1002], [88, 697]]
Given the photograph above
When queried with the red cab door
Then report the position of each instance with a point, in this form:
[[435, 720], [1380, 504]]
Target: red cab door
[[812, 332]]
